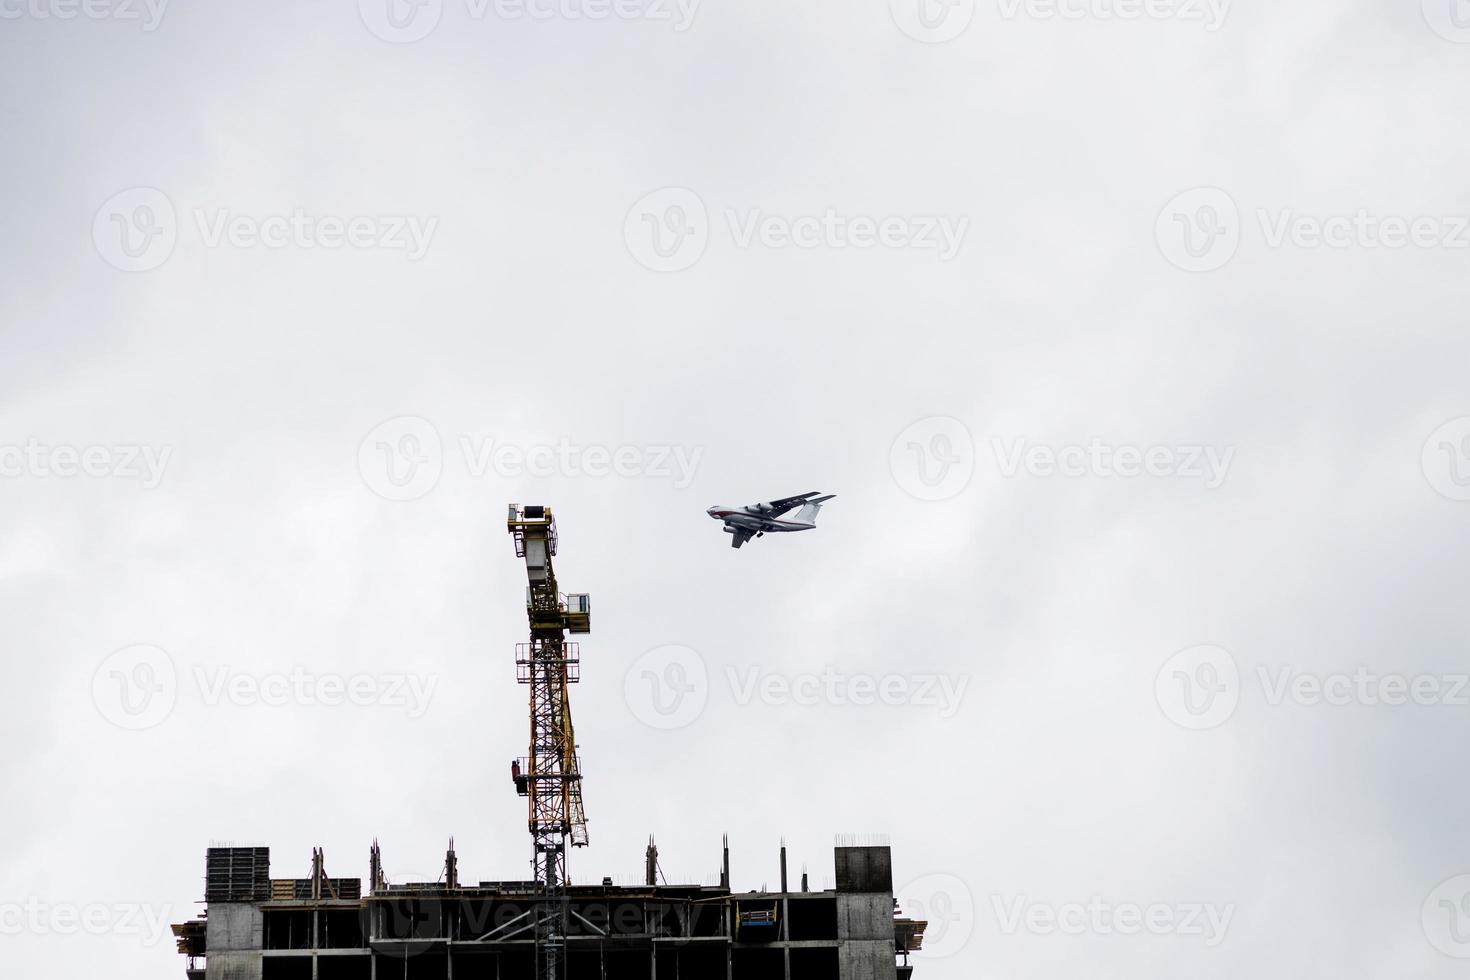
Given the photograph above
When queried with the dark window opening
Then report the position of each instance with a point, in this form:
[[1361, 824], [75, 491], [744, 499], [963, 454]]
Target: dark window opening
[[810, 919]]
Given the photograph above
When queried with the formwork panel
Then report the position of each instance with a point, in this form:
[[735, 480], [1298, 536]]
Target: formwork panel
[[237, 874]]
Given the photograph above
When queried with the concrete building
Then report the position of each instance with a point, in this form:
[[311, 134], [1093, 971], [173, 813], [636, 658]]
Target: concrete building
[[254, 927]]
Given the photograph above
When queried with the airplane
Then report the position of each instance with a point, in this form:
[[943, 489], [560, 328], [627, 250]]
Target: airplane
[[756, 520]]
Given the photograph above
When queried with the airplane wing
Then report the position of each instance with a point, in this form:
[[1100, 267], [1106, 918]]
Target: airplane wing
[[779, 507], [739, 537]]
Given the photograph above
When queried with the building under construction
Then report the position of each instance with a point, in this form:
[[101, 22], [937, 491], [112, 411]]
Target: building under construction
[[255, 927]]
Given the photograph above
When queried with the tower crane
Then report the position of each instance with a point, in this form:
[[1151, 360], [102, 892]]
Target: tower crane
[[551, 776]]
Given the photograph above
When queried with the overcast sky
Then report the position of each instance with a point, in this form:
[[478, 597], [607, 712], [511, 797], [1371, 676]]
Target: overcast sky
[[1131, 335]]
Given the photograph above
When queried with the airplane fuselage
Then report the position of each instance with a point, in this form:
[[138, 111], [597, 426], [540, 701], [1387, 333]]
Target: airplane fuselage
[[757, 520], [751, 519]]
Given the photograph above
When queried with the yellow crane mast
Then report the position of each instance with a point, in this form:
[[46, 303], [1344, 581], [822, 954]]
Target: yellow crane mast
[[551, 775]]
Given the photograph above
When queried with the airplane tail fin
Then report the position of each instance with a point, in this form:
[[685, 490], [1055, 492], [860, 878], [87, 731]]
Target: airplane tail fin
[[809, 510]]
